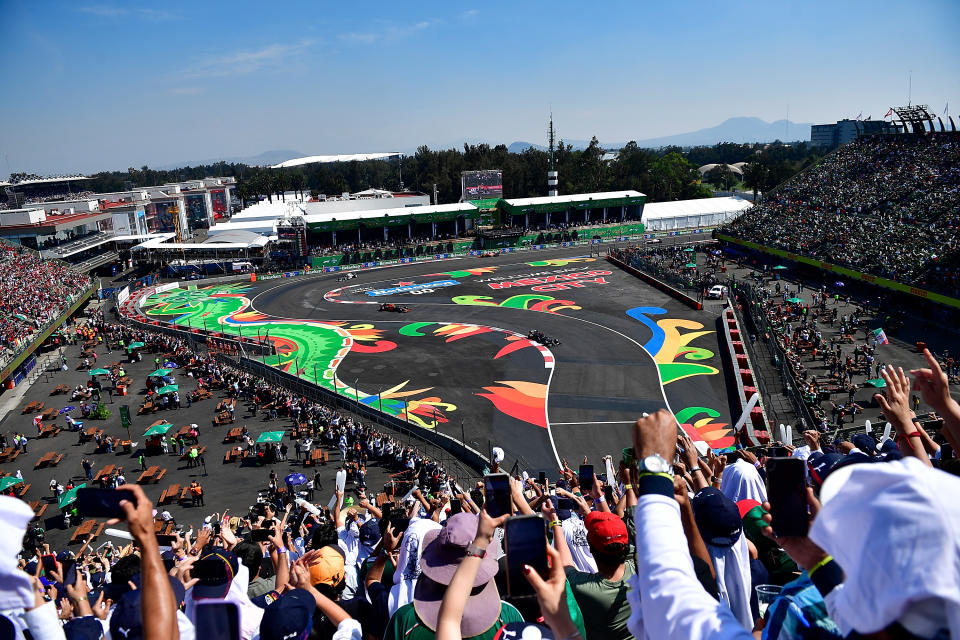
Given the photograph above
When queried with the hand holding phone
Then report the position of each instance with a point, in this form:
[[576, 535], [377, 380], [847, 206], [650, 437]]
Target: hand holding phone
[[526, 544], [586, 478], [787, 493], [497, 499], [102, 503]]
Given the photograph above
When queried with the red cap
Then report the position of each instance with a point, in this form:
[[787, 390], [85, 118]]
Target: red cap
[[744, 506], [604, 528]]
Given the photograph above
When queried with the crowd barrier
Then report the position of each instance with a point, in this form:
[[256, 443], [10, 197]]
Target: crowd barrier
[[659, 284]]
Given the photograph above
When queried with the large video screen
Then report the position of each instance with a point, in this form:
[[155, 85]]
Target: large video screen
[[482, 184]]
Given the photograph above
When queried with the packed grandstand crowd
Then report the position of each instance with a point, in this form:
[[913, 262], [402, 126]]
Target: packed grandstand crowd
[[33, 292], [888, 206]]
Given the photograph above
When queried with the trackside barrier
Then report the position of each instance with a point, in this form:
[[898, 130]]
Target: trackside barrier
[[676, 293], [756, 428]]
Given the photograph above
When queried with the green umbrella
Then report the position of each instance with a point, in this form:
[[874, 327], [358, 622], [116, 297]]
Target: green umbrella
[[158, 429], [9, 481], [169, 388], [136, 345], [691, 265], [779, 267], [795, 300], [160, 373], [689, 249], [99, 372], [69, 497], [271, 436], [879, 383]]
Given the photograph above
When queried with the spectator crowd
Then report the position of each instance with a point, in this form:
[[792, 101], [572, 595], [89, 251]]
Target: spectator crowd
[[888, 206]]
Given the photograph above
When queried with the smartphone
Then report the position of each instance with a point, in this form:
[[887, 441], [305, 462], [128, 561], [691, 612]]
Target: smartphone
[[586, 477], [50, 564], [69, 573], [778, 452], [608, 494], [497, 491], [456, 506], [526, 544], [217, 621], [260, 535], [542, 478], [627, 456], [101, 503], [787, 493], [165, 539]]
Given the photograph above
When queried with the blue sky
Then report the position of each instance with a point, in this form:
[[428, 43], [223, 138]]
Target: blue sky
[[107, 85]]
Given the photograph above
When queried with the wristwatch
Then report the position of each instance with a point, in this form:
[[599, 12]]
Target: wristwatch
[[477, 552], [655, 464]]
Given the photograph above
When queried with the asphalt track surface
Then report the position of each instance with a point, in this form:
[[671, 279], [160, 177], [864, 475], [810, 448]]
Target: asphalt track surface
[[601, 378]]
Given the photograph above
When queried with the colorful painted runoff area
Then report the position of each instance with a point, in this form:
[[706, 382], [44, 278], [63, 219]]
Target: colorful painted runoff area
[[444, 346]]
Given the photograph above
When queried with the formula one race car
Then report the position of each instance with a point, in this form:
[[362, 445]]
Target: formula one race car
[[346, 276], [538, 336], [389, 306], [489, 254]]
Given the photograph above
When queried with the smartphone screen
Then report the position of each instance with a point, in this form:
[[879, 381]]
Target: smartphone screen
[[497, 489], [787, 492], [217, 621], [455, 506], [49, 565], [542, 479], [778, 452], [260, 535], [586, 477], [211, 571], [526, 544], [165, 540], [101, 503], [69, 573], [608, 494]]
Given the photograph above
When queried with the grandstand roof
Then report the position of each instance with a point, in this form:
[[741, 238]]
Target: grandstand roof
[[573, 200], [699, 206], [241, 242], [350, 157], [736, 168], [54, 179]]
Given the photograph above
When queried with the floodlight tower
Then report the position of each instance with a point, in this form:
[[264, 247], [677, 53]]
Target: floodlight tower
[[552, 172]]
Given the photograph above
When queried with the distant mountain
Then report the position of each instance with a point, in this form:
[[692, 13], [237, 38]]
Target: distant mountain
[[738, 130], [266, 158]]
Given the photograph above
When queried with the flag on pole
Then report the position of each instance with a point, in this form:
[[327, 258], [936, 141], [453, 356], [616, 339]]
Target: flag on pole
[[860, 115], [946, 109], [880, 336], [889, 113]]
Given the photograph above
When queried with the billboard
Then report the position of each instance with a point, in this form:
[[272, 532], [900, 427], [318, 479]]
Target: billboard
[[481, 184]]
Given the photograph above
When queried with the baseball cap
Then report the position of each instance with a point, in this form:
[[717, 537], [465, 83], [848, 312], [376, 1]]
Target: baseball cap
[[125, 621], [717, 517], [85, 628], [822, 466], [865, 443], [370, 532], [289, 618], [744, 506], [605, 528], [216, 572], [328, 567]]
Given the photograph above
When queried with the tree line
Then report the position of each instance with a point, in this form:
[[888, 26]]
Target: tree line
[[669, 173]]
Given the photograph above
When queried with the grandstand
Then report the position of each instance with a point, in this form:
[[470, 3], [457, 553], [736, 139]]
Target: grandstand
[[884, 209]]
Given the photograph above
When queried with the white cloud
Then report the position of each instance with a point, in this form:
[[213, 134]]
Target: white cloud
[[472, 13], [242, 62], [387, 32]]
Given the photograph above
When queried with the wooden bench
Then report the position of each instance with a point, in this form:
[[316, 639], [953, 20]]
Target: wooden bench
[[50, 431], [157, 478], [185, 495], [9, 454], [60, 388], [200, 451], [21, 489], [104, 472], [50, 414], [233, 435], [202, 394], [317, 456], [223, 418], [83, 531], [57, 460], [32, 407], [147, 407]]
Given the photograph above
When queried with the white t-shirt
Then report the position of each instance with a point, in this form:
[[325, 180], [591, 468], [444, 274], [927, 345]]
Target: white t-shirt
[[408, 565], [576, 534]]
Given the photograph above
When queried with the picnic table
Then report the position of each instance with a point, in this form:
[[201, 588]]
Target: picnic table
[[170, 493], [91, 433], [148, 475], [147, 407], [34, 406], [184, 431], [234, 454], [49, 431], [317, 456], [87, 529], [60, 388], [233, 435], [9, 454], [50, 414], [200, 451], [224, 417], [49, 459], [202, 394], [105, 472]]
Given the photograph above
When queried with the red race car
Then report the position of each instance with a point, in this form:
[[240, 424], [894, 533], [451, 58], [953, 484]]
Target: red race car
[[396, 308]]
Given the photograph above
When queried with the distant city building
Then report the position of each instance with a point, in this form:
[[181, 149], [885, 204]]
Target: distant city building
[[846, 130]]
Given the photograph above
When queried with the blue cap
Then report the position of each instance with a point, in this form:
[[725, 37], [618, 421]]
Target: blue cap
[[289, 618], [85, 628], [125, 621], [717, 517], [370, 532], [865, 443], [822, 465], [179, 592], [223, 567], [265, 600]]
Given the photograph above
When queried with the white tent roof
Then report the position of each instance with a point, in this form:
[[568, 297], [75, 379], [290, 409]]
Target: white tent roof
[[573, 197], [296, 162], [700, 206], [158, 243]]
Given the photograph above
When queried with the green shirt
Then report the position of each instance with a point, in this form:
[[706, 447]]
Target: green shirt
[[603, 602], [406, 625]]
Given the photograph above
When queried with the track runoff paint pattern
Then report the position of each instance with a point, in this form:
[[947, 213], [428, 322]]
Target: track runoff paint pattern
[[459, 361]]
